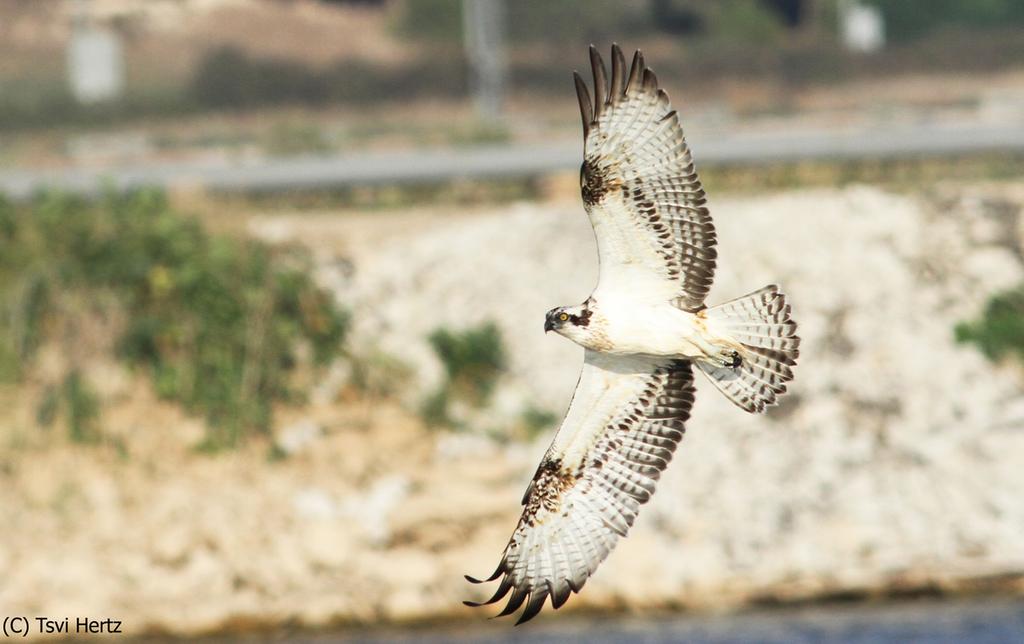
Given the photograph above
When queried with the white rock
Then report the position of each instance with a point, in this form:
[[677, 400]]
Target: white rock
[[299, 436], [313, 503], [370, 509]]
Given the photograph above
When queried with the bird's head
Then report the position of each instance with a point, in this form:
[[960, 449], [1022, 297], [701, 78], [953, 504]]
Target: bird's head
[[570, 321]]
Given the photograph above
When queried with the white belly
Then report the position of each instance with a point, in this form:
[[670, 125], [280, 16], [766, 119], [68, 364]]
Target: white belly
[[659, 329]]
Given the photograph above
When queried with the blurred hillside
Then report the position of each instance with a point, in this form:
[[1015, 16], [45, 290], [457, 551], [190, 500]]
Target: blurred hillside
[[888, 469], [319, 406]]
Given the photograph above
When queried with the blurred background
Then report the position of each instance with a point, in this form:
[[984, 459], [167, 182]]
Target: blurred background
[[272, 284]]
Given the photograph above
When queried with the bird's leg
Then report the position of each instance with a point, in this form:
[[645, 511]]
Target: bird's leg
[[730, 358], [719, 353], [725, 355]]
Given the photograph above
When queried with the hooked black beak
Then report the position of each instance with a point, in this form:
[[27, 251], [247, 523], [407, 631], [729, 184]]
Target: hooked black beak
[[549, 324]]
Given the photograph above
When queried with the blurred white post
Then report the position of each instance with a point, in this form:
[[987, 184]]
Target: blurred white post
[[95, 60], [861, 26], [483, 24]]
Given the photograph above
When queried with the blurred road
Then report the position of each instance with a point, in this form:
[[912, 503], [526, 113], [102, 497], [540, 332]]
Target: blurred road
[[424, 166]]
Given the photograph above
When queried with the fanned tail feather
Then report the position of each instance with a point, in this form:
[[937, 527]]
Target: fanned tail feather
[[761, 323]]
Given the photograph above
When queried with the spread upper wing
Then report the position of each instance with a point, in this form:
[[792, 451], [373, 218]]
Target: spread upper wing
[[640, 189], [625, 420]]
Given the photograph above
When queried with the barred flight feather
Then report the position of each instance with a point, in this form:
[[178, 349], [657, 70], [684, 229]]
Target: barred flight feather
[[760, 321], [657, 249], [636, 160], [577, 508]]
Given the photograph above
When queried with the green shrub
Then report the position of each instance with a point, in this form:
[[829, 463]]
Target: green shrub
[[47, 102], [216, 322], [79, 404], [473, 361], [434, 409], [430, 20], [745, 21], [529, 21], [229, 78], [577, 21], [1000, 330]]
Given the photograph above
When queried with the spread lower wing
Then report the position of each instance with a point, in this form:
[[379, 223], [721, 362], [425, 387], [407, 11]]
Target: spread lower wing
[[625, 420], [640, 189]]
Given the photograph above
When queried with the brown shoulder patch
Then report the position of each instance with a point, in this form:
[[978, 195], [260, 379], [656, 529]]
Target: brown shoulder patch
[[594, 183], [549, 484]]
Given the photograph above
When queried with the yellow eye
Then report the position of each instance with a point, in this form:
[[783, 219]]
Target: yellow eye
[[563, 316]]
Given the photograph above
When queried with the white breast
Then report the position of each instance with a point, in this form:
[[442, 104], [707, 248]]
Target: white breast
[[633, 324]]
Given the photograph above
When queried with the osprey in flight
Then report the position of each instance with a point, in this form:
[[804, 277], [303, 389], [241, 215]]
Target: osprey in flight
[[644, 329]]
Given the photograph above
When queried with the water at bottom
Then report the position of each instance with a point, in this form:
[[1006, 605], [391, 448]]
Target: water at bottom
[[982, 621]]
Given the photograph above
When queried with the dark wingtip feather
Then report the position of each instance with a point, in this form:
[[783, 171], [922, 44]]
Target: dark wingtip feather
[[502, 590], [636, 70], [600, 81], [533, 607], [514, 602], [586, 108], [494, 575], [558, 598], [618, 73], [650, 80]]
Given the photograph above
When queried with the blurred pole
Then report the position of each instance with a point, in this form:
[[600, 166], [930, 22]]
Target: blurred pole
[[95, 59], [483, 24]]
